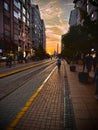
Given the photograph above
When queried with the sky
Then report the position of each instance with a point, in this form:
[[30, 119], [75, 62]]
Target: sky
[[55, 14]]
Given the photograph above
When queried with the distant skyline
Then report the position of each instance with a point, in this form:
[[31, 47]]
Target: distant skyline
[[56, 17]]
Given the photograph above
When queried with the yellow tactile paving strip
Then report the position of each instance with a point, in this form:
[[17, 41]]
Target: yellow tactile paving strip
[[19, 70], [27, 105]]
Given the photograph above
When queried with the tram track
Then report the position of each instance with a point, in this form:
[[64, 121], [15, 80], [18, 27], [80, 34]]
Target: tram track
[[18, 82]]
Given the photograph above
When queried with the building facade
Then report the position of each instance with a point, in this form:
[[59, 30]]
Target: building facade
[[43, 37], [21, 27], [83, 7], [8, 26], [73, 17], [25, 42], [36, 26]]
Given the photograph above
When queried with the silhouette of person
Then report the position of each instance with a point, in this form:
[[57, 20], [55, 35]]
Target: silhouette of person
[[58, 63], [88, 62]]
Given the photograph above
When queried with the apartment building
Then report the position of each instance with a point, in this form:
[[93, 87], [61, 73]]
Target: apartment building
[[37, 28], [82, 7], [43, 37], [25, 42], [21, 27], [92, 9], [77, 14], [15, 26], [8, 26], [36, 24], [73, 17]]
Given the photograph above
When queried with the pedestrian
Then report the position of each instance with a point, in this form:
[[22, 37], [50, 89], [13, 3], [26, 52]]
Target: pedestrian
[[9, 61], [88, 62], [96, 81], [58, 63], [26, 58]]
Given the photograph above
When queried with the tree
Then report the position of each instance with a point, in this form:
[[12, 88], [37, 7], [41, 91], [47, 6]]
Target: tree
[[40, 53]]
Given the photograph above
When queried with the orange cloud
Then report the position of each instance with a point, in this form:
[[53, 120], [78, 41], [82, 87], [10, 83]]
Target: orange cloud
[[56, 24]]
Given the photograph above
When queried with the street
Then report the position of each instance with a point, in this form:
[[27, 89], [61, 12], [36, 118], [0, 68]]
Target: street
[[16, 89]]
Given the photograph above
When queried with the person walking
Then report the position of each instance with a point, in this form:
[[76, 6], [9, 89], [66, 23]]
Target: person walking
[[9, 61], [58, 63], [88, 62]]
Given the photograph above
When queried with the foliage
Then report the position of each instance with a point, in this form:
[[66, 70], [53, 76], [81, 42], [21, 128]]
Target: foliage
[[80, 39], [40, 53]]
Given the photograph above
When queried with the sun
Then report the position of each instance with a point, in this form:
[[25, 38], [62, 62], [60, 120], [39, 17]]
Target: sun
[[50, 51]]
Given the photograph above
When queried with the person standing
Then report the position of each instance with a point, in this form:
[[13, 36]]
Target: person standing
[[9, 61], [58, 63], [88, 62]]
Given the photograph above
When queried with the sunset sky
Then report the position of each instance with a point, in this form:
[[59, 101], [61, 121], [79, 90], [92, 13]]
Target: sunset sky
[[55, 14]]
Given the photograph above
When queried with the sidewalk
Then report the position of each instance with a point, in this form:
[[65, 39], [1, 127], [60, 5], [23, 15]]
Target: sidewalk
[[48, 111], [84, 103]]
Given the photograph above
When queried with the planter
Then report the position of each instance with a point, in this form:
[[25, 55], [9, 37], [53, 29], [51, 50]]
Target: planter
[[73, 68], [83, 76]]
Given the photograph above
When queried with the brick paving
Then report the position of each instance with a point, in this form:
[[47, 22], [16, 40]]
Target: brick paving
[[47, 110], [84, 103]]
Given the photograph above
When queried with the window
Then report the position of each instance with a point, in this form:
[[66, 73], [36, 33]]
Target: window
[[16, 26], [16, 3], [6, 20], [24, 10], [6, 6], [7, 33], [16, 37], [24, 1], [15, 14], [24, 19], [28, 23], [28, 15], [19, 15], [19, 5], [35, 32]]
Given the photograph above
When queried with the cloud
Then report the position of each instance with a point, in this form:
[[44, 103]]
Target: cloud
[[55, 15]]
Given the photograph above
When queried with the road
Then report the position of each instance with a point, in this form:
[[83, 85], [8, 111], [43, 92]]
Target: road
[[16, 90]]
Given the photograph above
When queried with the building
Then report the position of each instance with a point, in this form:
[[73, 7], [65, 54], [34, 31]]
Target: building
[[73, 17], [8, 26], [92, 9], [21, 28], [43, 37], [25, 42], [15, 26], [77, 14], [36, 25], [82, 8]]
